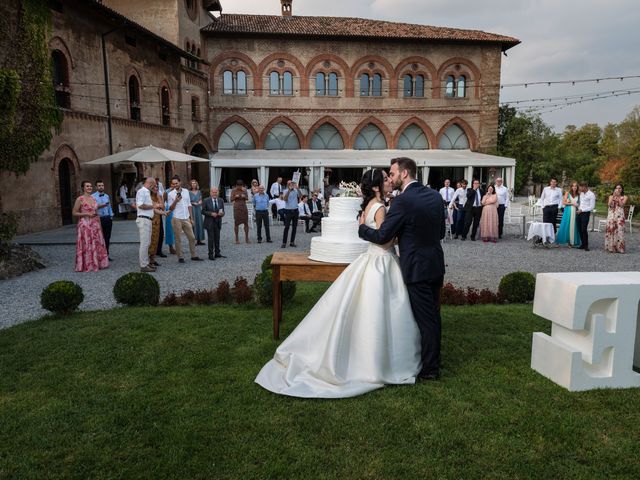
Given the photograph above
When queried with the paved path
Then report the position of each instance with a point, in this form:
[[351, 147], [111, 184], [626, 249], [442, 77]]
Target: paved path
[[468, 264]]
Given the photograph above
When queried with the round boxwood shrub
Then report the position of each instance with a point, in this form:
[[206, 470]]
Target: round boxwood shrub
[[517, 287], [263, 288], [266, 263], [61, 297], [137, 288]]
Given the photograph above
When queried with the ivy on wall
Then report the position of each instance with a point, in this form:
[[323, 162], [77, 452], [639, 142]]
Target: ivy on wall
[[27, 97]]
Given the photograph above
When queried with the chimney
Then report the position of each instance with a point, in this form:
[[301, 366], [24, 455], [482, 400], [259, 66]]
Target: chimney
[[286, 7]]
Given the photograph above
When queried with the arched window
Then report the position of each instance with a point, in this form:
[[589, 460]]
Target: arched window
[[327, 84], [449, 87], [281, 84], [454, 138], [274, 83], [413, 86], [60, 76], [320, 86], [408, 86], [333, 84], [241, 82], [326, 137], [413, 138], [461, 87], [281, 137], [166, 113], [236, 137], [364, 85], [419, 86], [227, 82], [134, 98], [376, 90], [287, 83], [370, 138], [234, 83]]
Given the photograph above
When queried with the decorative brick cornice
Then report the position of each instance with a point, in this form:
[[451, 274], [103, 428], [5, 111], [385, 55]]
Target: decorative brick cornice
[[126, 122], [344, 111]]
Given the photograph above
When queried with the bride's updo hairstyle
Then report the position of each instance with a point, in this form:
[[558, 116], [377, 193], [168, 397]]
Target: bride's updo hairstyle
[[371, 178]]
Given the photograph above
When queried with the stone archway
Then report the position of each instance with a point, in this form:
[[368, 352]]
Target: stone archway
[[66, 183], [200, 170]]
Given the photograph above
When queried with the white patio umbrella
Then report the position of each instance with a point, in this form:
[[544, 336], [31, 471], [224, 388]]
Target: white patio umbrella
[[148, 154]]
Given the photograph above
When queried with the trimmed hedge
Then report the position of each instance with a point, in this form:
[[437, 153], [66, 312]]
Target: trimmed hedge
[[137, 288], [61, 297], [263, 285], [517, 287]]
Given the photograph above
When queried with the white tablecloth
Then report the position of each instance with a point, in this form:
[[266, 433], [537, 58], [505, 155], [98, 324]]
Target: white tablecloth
[[543, 231]]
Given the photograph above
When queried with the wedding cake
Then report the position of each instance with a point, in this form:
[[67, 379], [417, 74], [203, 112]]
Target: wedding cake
[[339, 242]]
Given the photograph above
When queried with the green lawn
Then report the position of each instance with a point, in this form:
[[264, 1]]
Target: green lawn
[[169, 393]]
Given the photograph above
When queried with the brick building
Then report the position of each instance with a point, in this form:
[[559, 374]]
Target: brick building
[[319, 93]]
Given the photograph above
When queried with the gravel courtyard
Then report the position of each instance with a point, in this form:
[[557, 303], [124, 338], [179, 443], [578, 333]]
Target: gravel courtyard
[[474, 264]]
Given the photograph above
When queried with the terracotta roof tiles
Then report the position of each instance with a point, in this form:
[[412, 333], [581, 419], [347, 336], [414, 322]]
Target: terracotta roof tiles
[[346, 27]]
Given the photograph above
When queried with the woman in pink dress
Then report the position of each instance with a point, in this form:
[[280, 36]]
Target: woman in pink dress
[[489, 218], [91, 252]]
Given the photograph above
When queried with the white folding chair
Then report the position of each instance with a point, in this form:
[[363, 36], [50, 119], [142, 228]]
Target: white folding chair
[[630, 218]]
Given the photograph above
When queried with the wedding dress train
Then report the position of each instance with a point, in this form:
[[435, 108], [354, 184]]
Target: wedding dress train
[[358, 337]]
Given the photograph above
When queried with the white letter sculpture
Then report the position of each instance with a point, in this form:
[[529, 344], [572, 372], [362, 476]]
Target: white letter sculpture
[[593, 333]]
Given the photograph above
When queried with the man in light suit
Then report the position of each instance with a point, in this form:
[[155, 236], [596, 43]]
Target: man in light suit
[[213, 211]]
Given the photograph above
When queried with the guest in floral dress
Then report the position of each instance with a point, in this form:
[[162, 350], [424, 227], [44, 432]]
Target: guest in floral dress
[[91, 252], [195, 196], [489, 218], [614, 236], [156, 225]]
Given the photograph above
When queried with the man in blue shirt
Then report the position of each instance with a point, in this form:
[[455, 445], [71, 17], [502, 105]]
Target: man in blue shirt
[[261, 206], [105, 212], [291, 198]]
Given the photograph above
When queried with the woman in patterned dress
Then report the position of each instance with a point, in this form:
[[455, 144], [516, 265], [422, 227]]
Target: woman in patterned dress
[[91, 252], [614, 236], [195, 196]]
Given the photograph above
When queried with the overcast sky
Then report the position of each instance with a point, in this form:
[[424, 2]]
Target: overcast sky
[[561, 40]]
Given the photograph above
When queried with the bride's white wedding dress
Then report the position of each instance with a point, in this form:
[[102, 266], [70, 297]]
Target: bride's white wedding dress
[[360, 335]]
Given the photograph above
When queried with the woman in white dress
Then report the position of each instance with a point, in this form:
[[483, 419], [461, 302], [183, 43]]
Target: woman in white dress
[[361, 334]]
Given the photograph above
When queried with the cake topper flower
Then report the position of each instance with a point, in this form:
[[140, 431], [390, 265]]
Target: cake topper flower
[[351, 189]]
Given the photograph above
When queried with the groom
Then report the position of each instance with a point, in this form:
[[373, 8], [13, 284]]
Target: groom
[[417, 219]]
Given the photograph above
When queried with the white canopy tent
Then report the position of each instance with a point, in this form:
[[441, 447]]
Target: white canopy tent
[[148, 154], [318, 160]]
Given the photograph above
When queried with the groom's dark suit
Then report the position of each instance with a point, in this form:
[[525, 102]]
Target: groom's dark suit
[[417, 219]]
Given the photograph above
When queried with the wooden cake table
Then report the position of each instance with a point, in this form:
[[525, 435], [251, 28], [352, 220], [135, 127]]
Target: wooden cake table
[[297, 267]]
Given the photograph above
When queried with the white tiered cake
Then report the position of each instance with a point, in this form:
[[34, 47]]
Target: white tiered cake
[[339, 242]]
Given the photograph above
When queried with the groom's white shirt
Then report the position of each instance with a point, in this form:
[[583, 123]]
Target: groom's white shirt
[[405, 187]]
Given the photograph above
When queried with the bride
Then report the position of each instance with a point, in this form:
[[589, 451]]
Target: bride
[[361, 334]]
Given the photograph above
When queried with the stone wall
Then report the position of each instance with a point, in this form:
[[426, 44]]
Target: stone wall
[[83, 135]]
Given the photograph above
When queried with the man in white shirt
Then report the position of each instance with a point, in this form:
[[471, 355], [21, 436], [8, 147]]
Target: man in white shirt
[[551, 201], [280, 205], [446, 193], [182, 221], [457, 204], [304, 213], [275, 191], [503, 203], [145, 206], [587, 205]]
